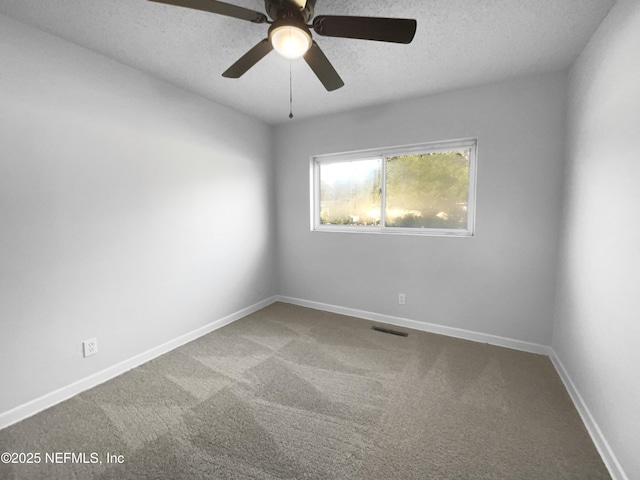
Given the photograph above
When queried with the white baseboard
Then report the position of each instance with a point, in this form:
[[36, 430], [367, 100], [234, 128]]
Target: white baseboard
[[608, 457], [423, 326], [50, 399]]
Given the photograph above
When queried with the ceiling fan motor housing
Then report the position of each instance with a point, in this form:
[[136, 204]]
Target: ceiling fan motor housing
[[283, 9]]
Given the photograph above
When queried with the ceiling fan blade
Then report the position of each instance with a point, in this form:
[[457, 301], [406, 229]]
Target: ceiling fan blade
[[220, 8], [249, 59], [322, 67], [395, 30]]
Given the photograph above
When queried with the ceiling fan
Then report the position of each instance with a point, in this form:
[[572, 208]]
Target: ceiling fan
[[290, 36]]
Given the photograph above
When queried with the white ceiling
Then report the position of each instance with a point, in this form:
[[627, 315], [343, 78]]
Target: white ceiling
[[459, 43]]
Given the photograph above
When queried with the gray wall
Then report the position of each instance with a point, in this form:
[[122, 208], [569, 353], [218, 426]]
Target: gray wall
[[130, 211], [597, 327], [501, 281]]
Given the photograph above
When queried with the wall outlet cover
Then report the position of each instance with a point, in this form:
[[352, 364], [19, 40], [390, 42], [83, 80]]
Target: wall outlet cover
[[90, 347]]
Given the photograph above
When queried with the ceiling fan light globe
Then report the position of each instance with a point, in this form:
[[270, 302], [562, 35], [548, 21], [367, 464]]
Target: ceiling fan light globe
[[290, 41]]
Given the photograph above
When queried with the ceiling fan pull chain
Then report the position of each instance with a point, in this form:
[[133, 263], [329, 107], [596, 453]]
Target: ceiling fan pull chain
[[290, 93]]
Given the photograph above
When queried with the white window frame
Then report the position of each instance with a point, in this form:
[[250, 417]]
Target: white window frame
[[382, 154]]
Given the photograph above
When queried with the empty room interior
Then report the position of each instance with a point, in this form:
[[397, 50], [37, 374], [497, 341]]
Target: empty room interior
[[175, 302]]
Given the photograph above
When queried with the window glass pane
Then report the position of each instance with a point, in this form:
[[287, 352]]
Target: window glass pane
[[350, 192], [428, 190]]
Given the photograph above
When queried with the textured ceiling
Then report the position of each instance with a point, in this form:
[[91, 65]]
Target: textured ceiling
[[459, 43]]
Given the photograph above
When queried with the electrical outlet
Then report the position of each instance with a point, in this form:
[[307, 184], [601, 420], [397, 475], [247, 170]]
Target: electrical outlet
[[90, 347], [401, 298]]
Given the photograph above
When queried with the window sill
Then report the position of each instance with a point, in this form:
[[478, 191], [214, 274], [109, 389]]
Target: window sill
[[424, 232]]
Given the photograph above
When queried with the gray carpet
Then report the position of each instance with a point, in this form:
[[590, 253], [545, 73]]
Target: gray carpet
[[295, 393]]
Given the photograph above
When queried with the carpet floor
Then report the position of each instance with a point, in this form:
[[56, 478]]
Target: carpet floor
[[295, 393]]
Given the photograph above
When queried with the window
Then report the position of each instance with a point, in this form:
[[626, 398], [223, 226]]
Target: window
[[426, 189]]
